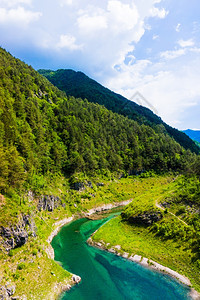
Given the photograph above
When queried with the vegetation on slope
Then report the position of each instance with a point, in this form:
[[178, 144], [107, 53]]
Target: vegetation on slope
[[43, 132], [173, 241], [79, 85]]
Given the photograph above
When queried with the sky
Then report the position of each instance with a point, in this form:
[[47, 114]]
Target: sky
[[145, 50]]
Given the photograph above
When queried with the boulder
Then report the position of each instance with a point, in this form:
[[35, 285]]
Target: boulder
[[76, 278]]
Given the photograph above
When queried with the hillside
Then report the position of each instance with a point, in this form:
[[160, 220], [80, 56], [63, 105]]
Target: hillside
[[193, 134], [79, 85], [43, 132], [60, 156], [160, 224]]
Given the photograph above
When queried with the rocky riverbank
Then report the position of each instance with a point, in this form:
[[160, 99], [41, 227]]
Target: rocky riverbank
[[108, 206]]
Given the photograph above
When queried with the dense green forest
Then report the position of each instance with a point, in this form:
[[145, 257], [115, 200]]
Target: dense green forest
[[79, 85], [43, 131]]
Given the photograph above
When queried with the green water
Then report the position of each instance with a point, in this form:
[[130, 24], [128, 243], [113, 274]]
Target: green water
[[106, 276]]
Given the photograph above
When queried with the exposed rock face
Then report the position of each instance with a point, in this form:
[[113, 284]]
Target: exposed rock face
[[81, 186], [30, 196], [78, 186], [89, 184], [17, 235], [147, 218], [49, 203], [6, 292], [100, 184]]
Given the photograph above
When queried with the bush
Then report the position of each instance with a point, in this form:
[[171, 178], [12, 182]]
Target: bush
[[21, 266], [11, 253], [34, 252], [181, 211]]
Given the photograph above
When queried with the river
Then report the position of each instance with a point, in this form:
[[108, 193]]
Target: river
[[106, 276]]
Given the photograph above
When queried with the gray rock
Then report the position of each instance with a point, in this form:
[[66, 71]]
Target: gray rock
[[78, 186], [30, 196], [7, 291], [100, 184], [16, 235], [89, 184], [76, 278], [147, 218], [49, 202]]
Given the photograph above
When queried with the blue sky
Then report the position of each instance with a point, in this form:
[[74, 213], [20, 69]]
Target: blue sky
[[149, 46]]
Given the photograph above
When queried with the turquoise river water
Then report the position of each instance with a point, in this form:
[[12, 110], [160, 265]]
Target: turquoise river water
[[106, 276]]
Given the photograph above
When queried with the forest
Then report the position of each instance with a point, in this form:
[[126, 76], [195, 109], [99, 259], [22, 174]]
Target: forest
[[43, 132], [79, 85]]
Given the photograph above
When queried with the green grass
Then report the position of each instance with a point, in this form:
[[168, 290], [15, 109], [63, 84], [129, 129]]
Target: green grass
[[139, 240], [172, 247]]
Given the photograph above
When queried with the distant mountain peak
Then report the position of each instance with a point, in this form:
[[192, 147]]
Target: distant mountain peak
[[193, 134]]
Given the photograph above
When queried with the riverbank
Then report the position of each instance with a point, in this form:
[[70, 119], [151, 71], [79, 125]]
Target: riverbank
[[59, 224], [145, 262], [138, 244], [62, 287]]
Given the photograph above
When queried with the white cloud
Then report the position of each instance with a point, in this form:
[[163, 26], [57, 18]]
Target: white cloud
[[122, 16], [178, 27], [195, 50], [155, 37], [66, 2], [18, 16], [116, 17], [69, 42], [91, 23], [186, 43], [160, 13], [172, 89], [172, 54]]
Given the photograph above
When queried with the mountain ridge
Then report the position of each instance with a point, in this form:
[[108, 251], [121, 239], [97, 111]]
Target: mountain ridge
[[79, 85], [193, 134]]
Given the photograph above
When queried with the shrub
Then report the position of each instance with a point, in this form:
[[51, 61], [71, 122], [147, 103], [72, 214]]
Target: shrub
[[11, 253], [34, 252], [21, 266]]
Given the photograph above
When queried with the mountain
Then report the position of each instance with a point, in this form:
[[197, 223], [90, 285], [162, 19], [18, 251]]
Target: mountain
[[79, 85], [193, 134], [43, 131]]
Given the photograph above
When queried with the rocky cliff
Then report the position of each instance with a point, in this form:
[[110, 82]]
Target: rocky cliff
[[49, 203], [16, 235]]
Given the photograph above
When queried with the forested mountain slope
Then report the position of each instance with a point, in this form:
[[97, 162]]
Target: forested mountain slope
[[43, 131], [77, 84]]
